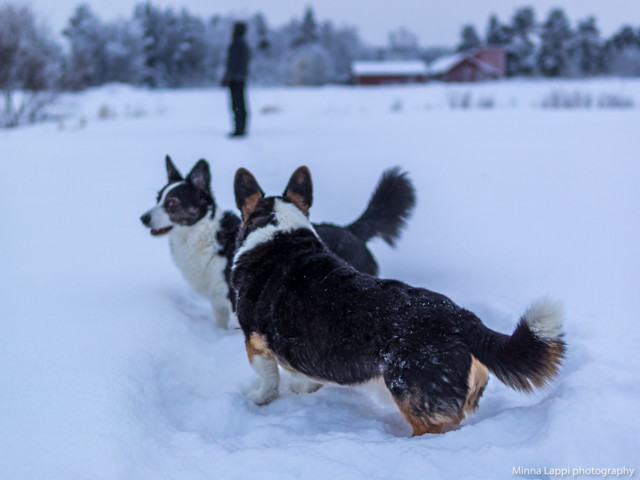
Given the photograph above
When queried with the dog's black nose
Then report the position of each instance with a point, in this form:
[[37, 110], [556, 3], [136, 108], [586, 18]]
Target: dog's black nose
[[146, 218]]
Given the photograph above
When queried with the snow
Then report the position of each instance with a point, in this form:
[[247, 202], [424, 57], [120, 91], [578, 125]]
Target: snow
[[390, 67], [111, 368]]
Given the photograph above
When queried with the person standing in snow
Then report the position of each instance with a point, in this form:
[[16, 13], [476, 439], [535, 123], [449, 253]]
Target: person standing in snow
[[235, 77]]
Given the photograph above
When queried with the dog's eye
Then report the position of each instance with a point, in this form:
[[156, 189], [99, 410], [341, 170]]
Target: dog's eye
[[171, 203]]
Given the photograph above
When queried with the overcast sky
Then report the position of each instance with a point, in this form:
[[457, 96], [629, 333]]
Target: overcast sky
[[434, 22]]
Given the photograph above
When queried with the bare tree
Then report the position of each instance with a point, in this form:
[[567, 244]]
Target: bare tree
[[29, 72]]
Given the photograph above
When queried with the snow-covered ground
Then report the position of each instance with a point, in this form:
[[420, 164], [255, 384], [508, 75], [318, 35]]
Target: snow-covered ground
[[111, 368]]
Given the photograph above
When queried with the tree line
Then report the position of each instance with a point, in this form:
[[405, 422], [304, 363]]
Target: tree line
[[555, 48], [167, 48]]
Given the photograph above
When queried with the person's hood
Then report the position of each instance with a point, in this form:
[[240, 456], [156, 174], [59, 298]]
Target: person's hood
[[239, 29]]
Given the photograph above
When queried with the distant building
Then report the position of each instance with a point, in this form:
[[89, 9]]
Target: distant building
[[477, 65], [385, 72], [480, 64]]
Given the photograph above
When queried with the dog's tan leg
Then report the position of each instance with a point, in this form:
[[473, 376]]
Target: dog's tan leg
[[265, 365], [422, 423], [477, 380]]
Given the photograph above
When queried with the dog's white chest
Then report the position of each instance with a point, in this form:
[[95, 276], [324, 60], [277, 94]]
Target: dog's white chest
[[195, 250]]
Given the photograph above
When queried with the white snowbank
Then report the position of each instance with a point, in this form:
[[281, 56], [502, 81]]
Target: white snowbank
[[110, 368]]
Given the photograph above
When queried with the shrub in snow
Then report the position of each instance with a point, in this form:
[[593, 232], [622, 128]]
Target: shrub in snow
[[397, 106], [614, 100], [459, 100], [569, 100], [105, 112], [486, 103], [309, 65], [270, 109]]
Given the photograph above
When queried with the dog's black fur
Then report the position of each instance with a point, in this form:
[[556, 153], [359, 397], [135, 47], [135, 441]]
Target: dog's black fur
[[307, 309]]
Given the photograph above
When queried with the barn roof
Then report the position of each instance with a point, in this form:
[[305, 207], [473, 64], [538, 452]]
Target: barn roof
[[395, 67], [446, 63]]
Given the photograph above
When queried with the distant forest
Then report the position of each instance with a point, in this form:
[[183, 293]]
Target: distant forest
[[162, 48]]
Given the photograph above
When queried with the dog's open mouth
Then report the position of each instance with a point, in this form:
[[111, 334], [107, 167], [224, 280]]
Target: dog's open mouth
[[160, 231]]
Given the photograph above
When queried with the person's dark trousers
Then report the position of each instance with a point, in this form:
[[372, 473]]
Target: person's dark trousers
[[238, 106]]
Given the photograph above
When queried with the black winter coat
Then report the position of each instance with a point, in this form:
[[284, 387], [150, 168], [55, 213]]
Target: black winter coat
[[238, 60]]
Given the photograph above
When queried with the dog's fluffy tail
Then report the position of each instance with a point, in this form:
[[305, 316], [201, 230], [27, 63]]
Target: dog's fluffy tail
[[531, 356], [388, 209]]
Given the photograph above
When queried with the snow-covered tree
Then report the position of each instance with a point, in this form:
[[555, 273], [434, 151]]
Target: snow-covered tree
[[469, 39], [520, 46], [343, 46], [309, 61], [309, 64], [87, 65], [497, 34], [585, 50], [217, 36], [308, 29], [189, 50], [622, 53], [259, 32], [524, 20], [555, 36], [124, 52], [403, 44], [151, 24]]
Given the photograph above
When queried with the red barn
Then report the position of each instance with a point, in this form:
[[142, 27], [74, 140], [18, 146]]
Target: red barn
[[477, 65], [386, 72]]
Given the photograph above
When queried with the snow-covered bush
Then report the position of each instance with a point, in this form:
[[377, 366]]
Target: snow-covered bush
[[614, 100], [565, 99], [459, 100]]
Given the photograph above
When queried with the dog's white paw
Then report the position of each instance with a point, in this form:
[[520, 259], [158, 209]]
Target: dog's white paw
[[222, 323], [222, 316], [261, 397]]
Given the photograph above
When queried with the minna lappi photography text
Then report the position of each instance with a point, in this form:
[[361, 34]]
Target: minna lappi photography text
[[561, 472]]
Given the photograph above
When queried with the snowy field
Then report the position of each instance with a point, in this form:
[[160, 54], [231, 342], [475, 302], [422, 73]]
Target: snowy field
[[111, 368]]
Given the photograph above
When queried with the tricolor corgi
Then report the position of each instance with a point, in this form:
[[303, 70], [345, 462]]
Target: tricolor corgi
[[304, 308]]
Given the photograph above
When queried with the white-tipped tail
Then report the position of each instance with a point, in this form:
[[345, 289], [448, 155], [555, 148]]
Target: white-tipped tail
[[544, 318], [531, 356]]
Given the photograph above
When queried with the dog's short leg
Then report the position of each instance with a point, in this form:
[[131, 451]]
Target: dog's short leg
[[222, 313], [303, 384], [265, 365], [269, 380]]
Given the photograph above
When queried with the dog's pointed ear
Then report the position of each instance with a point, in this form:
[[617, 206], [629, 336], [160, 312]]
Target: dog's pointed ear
[[199, 176], [300, 189], [173, 173], [247, 191]]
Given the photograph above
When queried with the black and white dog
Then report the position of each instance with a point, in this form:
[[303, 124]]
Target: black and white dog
[[202, 237], [302, 307]]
